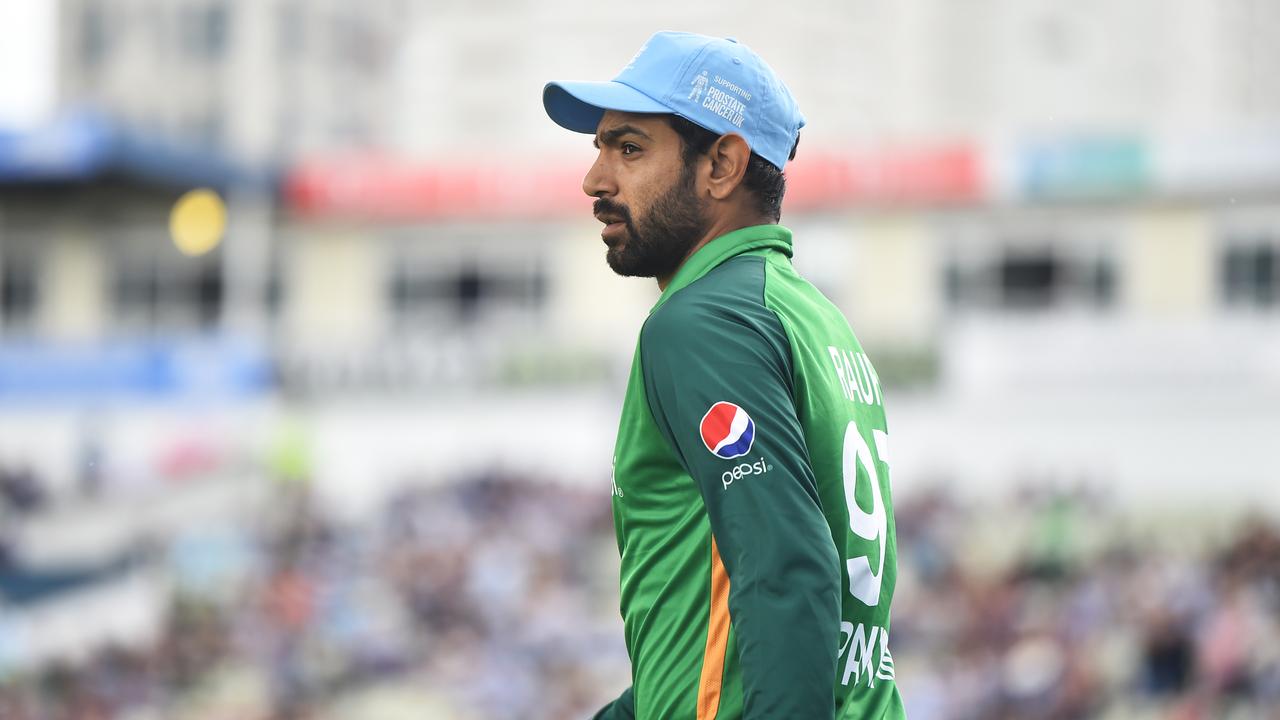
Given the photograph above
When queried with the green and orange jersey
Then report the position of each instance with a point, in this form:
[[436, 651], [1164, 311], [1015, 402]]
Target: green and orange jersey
[[751, 500]]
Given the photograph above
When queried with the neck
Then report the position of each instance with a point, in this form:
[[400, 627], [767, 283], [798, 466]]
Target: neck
[[715, 230]]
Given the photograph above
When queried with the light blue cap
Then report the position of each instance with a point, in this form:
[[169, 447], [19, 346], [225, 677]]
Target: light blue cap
[[717, 83]]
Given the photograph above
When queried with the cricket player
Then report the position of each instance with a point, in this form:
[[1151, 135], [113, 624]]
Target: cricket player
[[751, 489]]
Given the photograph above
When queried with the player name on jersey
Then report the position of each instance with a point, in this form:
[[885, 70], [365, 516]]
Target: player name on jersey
[[857, 377]]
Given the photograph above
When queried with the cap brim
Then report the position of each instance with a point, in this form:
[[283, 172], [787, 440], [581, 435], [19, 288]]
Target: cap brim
[[578, 106]]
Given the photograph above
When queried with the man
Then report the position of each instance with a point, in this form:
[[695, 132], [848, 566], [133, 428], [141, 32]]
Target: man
[[751, 487]]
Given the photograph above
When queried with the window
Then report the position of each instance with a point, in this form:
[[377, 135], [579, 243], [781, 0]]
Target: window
[[94, 37], [290, 31], [215, 28], [463, 293], [157, 288], [1250, 272], [18, 291], [273, 292], [1015, 272], [206, 30], [1029, 279], [1044, 279], [428, 288]]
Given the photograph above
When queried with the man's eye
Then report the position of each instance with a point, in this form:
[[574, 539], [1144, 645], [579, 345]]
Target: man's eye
[[628, 148]]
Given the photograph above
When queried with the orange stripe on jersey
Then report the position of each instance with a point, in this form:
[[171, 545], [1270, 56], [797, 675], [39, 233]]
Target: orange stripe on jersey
[[717, 640]]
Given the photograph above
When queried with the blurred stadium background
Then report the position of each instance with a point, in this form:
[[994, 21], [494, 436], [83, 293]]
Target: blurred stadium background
[[329, 437]]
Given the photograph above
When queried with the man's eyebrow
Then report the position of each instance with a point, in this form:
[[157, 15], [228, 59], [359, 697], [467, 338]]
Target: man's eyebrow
[[613, 135]]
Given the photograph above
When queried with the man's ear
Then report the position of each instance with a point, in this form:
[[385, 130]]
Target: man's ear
[[729, 156]]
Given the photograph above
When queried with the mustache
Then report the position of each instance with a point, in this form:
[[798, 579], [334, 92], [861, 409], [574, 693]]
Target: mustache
[[605, 206]]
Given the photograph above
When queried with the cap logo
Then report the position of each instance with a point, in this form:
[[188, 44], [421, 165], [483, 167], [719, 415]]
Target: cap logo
[[727, 430], [699, 86], [635, 57]]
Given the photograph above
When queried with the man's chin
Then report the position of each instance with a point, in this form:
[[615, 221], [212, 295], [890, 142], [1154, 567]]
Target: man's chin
[[619, 263], [626, 264]]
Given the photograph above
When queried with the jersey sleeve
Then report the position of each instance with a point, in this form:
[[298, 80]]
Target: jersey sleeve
[[718, 381]]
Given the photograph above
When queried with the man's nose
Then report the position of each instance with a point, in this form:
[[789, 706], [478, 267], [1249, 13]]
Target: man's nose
[[599, 181]]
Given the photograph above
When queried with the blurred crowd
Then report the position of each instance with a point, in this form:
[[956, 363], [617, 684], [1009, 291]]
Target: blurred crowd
[[488, 598], [1054, 607], [494, 597]]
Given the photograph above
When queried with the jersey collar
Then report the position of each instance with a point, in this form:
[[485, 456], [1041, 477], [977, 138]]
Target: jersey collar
[[729, 245]]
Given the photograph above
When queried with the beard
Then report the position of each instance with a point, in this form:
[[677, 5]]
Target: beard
[[656, 243]]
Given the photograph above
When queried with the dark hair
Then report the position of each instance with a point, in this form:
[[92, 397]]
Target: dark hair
[[764, 179]]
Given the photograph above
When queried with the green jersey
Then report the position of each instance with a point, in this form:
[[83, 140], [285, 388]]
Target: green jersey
[[751, 500]]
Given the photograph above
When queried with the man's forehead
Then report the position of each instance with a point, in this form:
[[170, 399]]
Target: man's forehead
[[614, 121]]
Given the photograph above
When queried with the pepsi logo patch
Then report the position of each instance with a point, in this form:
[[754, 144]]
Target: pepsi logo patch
[[727, 430]]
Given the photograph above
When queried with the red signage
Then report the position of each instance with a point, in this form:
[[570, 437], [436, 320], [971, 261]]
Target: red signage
[[386, 189], [948, 173], [382, 188]]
